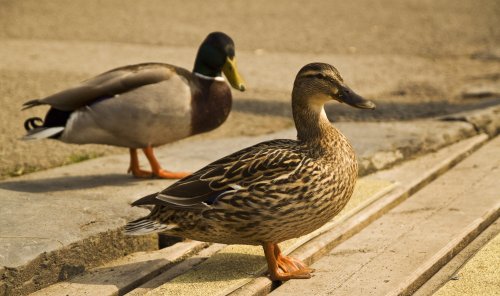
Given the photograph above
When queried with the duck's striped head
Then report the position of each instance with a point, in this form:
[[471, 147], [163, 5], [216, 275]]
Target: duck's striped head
[[320, 82]]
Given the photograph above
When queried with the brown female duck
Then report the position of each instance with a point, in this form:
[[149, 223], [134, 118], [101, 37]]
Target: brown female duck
[[272, 191], [144, 106]]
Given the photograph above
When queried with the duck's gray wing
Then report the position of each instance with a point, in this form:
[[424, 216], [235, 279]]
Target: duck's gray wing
[[265, 161], [108, 84]]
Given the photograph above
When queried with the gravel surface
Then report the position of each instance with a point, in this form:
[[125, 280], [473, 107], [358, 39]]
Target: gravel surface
[[479, 276]]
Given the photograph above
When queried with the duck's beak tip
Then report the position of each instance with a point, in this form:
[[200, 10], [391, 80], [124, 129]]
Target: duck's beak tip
[[370, 105]]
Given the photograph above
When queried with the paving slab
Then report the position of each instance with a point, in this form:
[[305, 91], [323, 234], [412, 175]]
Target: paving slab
[[398, 252]]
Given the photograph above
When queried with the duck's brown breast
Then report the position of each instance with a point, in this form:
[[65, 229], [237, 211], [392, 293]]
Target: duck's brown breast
[[210, 105]]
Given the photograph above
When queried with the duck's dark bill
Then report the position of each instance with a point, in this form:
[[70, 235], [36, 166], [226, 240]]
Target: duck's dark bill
[[351, 98]]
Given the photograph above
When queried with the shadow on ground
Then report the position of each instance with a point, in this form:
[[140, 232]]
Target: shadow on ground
[[69, 183], [113, 275], [384, 111]]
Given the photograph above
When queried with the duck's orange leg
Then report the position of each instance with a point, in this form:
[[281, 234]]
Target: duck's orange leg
[[134, 166], [157, 170], [283, 268]]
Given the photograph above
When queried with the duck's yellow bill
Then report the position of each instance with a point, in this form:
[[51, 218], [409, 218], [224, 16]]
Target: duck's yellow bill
[[232, 74]]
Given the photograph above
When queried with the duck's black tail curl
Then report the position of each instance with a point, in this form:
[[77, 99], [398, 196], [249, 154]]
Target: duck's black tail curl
[[33, 123]]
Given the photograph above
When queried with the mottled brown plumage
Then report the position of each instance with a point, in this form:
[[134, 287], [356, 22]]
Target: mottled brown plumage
[[272, 191]]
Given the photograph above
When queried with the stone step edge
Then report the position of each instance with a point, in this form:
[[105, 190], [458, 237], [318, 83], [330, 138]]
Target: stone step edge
[[316, 247], [441, 258], [449, 272], [152, 264], [347, 225]]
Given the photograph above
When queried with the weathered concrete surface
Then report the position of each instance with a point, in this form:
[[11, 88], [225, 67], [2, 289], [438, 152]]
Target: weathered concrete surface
[[412, 241], [121, 275], [236, 265], [179, 269], [219, 270], [69, 204], [486, 120], [232, 267], [383, 144], [408, 177]]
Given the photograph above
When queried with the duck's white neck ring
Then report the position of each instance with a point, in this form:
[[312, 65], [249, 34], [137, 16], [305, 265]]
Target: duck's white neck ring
[[216, 78]]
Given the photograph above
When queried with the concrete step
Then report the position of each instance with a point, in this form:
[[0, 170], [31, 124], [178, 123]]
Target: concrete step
[[400, 251], [410, 176], [233, 269], [92, 198], [122, 275]]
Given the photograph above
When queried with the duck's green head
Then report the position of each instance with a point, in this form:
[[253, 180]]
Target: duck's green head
[[320, 82], [216, 55]]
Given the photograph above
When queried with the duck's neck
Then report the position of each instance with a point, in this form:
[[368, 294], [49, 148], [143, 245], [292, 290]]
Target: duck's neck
[[202, 67], [313, 127]]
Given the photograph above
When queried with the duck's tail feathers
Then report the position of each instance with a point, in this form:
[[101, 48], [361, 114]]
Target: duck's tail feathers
[[42, 133], [145, 226], [32, 103]]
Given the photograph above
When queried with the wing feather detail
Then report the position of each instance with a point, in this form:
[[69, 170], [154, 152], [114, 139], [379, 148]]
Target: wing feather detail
[[266, 161], [107, 84]]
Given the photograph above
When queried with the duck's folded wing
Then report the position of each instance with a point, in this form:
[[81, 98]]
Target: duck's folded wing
[[108, 84], [265, 161]]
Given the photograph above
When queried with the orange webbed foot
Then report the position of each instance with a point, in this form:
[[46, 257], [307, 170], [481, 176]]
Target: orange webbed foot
[[284, 268], [164, 174], [290, 265], [138, 173]]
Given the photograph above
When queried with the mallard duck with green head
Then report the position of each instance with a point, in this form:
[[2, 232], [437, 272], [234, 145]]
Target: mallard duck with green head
[[272, 191], [145, 105]]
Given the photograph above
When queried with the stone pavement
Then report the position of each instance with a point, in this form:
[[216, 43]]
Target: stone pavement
[[235, 269], [51, 218], [411, 242]]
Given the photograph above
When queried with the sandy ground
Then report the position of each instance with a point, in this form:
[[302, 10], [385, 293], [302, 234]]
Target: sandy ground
[[479, 276], [414, 58]]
